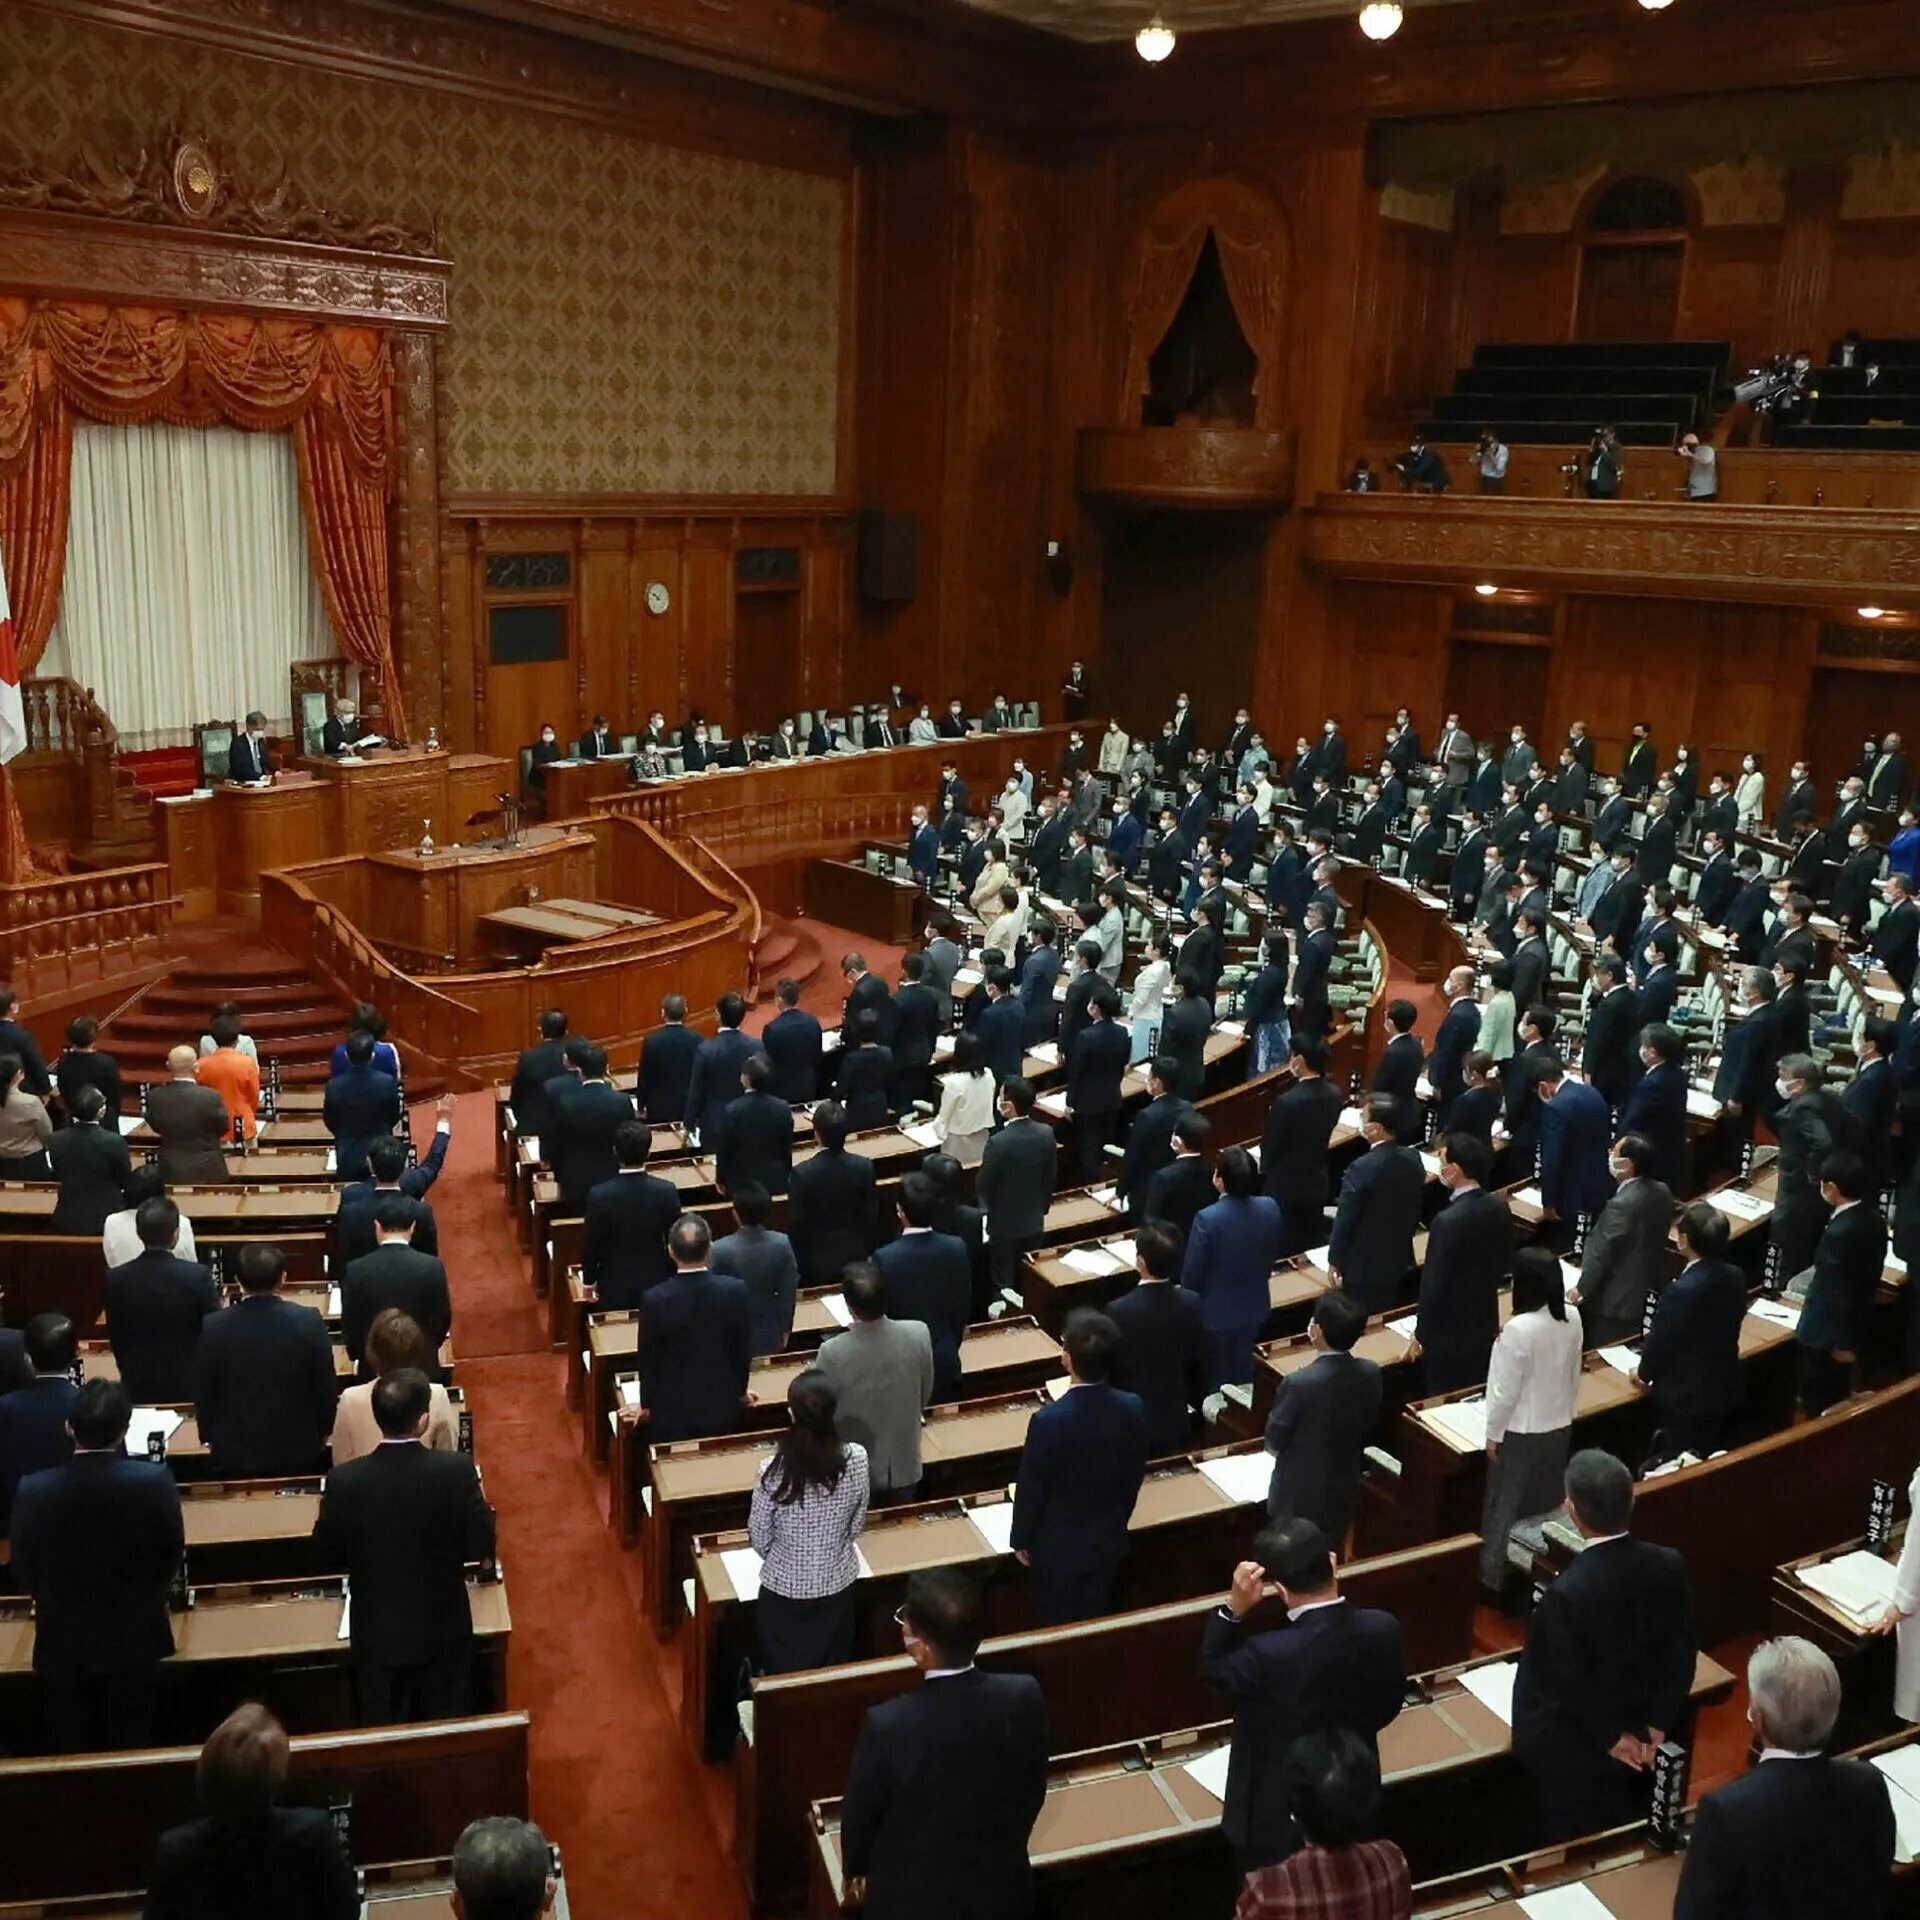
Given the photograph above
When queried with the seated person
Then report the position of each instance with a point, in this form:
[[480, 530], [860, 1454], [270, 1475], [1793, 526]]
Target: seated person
[[541, 755], [343, 733], [248, 759]]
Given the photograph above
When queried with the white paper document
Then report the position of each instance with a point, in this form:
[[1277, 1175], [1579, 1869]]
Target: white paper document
[[630, 1391], [923, 1133], [1047, 1053], [1859, 1584], [1575, 1902], [1620, 1359], [1095, 1262], [1739, 1205], [836, 1304], [161, 1420], [1122, 1250], [333, 1303], [1782, 1313], [1493, 1687], [1210, 1771], [1902, 1768], [1702, 1105], [743, 1569], [1054, 1104], [133, 1122], [531, 1141], [345, 1629], [1570, 1276], [994, 1524], [1352, 1117], [1406, 1326], [1530, 1197], [1107, 1196], [1243, 1477], [1320, 1259], [1463, 1422]]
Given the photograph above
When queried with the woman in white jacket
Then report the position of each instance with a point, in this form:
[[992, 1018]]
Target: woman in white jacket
[[1013, 810], [966, 1104], [1149, 1002], [1750, 792], [985, 897], [1008, 927]]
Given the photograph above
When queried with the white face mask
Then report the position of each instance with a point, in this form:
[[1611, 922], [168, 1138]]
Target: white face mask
[[1620, 1169], [1784, 1088], [546, 739]]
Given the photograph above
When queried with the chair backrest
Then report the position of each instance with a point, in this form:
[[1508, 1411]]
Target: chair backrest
[[310, 718], [629, 743], [803, 722], [212, 744], [526, 765]]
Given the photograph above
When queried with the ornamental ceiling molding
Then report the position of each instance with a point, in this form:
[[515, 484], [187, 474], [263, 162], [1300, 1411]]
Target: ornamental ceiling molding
[[1765, 554], [173, 228]]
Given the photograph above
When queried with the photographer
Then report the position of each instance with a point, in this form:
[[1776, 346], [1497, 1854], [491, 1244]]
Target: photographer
[[1703, 468], [1490, 461], [1421, 468], [1602, 466]]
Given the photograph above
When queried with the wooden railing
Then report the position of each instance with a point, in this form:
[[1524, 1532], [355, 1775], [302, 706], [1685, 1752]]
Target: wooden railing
[[65, 931], [63, 717]]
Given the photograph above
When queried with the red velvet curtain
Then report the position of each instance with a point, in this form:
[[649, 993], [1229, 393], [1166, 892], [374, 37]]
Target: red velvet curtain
[[332, 387]]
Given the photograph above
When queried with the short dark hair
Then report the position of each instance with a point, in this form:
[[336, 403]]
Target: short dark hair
[[1158, 1245], [674, 1007], [51, 1342], [751, 1203], [919, 1199], [1885, 1035], [387, 1158], [1194, 1129], [1663, 1040], [1537, 1283], [1848, 1172], [1164, 1068], [1600, 1491], [690, 1239], [593, 1060], [81, 1030], [757, 1071], [1331, 1777], [787, 992], [1401, 1015], [360, 1044], [1238, 1175], [1341, 1319], [1090, 1339], [1296, 1555], [731, 1008], [632, 1142], [88, 1104], [1311, 1052], [1636, 1149], [553, 1024], [865, 1288], [400, 1401], [157, 1222], [242, 1766], [1472, 1155], [501, 1866], [1707, 1229], [942, 1607], [1383, 1109], [100, 1414], [831, 1125], [261, 1266], [1018, 1094], [396, 1212]]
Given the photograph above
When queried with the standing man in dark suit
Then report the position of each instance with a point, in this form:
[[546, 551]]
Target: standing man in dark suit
[[18, 1039], [830, 1203], [535, 1067], [665, 1073], [1642, 764], [1798, 803], [755, 1146], [1896, 936], [1188, 1020], [580, 1131], [395, 1274], [1719, 881], [1807, 1124], [624, 1248], [154, 1307], [354, 1232], [919, 1016], [866, 1070], [1800, 1833], [1037, 977], [263, 1381], [1324, 1664], [923, 849], [1397, 1075], [1608, 1665], [1656, 845], [95, 1542], [82, 1064], [762, 1261], [715, 1076], [1014, 1184], [1575, 1133], [34, 1416], [1371, 1251], [190, 1122], [1080, 1473], [1459, 1030], [1149, 1142], [1294, 1147], [1690, 1360], [1749, 1053], [866, 993], [1847, 1264], [1613, 1025], [1322, 1417], [1871, 1099], [405, 1521], [91, 1163], [1096, 1066], [1177, 1194], [1469, 1251], [1858, 879], [948, 1779], [929, 1278], [1656, 1106], [1625, 1252], [1002, 1032], [360, 1104], [1162, 1355], [696, 1343]]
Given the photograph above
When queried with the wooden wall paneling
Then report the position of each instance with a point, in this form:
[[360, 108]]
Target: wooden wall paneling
[[659, 639], [1847, 702], [824, 673], [1730, 291], [1873, 280], [706, 564], [604, 621], [1406, 343]]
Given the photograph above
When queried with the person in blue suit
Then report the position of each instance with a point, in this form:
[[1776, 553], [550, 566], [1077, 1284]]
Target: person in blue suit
[[1125, 841], [1690, 1359], [1080, 1473], [929, 1277], [1656, 1105], [33, 1418], [1459, 1031], [1002, 1032], [792, 1041], [1371, 1251], [361, 1103], [923, 849], [1749, 1053], [1575, 1132], [715, 1081], [1037, 980], [1229, 1263], [696, 1342], [665, 1073]]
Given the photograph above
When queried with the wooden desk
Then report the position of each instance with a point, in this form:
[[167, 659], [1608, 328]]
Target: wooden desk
[[435, 903], [383, 800], [1631, 1879], [413, 1789], [276, 1643], [847, 894], [255, 828], [572, 785], [805, 1725]]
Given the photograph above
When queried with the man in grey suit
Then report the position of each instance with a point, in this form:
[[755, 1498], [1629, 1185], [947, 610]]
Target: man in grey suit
[[943, 957], [1321, 1420], [764, 1261], [881, 1371], [191, 1123], [1014, 1184], [1625, 1255]]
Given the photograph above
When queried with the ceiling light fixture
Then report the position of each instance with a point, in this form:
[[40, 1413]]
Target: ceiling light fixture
[[1154, 41], [1486, 589], [1656, 6], [1380, 19], [1873, 613]]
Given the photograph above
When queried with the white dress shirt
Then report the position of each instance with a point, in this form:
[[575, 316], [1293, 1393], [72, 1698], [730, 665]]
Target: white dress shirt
[[121, 1241], [1534, 1379], [966, 1115]]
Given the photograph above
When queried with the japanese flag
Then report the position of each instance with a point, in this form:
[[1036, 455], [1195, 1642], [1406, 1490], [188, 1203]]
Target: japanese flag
[[13, 722]]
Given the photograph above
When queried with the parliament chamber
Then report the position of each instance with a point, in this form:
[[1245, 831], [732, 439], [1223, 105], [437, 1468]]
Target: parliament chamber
[[958, 958]]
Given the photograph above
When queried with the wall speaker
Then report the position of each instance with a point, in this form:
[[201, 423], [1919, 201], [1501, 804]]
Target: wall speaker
[[889, 566]]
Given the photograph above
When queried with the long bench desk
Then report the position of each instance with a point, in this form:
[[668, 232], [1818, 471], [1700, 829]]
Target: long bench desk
[[276, 1642], [804, 1726], [1130, 1833], [407, 1791]]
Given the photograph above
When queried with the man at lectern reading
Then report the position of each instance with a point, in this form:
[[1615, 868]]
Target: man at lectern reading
[[248, 758], [343, 733]]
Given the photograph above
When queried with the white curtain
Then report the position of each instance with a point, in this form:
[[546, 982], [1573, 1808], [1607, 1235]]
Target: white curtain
[[188, 591]]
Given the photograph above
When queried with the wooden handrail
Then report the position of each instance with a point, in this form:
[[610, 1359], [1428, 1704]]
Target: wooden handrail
[[64, 717]]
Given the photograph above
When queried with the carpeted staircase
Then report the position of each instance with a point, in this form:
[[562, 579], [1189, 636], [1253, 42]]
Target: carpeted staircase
[[784, 951]]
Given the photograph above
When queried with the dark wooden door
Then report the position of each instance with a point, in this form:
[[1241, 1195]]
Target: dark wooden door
[[1845, 709], [1490, 686], [766, 658], [1630, 292]]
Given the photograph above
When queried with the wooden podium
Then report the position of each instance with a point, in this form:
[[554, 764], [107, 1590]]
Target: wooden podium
[[383, 799], [433, 902]]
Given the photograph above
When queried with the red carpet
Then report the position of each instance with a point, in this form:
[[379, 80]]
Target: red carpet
[[613, 1783]]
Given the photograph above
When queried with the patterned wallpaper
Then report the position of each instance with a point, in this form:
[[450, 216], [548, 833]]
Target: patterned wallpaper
[[627, 317]]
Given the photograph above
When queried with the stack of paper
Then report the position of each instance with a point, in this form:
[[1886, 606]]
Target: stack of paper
[[1621, 1359], [1575, 1901], [1860, 1584], [1701, 1104], [1352, 1117], [345, 1629], [531, 1141], [1739, 1205], [1902, 1768], [133, 1122], [1431, 1162], [1463, 1423], [1492, 1686], [836, 1304], [1530, 1197], [161, 1420], [923, 1133], [1404, 1326], [1243, 1477], [1210, 1771], [1053, 1103], [994, 1524], [333, 1303], [1107, 1196], [743, 1570], [630, 1390], [1096, 1263], [1047, 1053]]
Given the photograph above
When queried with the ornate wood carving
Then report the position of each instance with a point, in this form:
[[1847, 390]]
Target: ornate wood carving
[[1764, 554], [1187, 466], [419, 625]]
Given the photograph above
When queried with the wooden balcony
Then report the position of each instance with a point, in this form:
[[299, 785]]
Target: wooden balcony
[[1220, 468], [1826, 557]]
